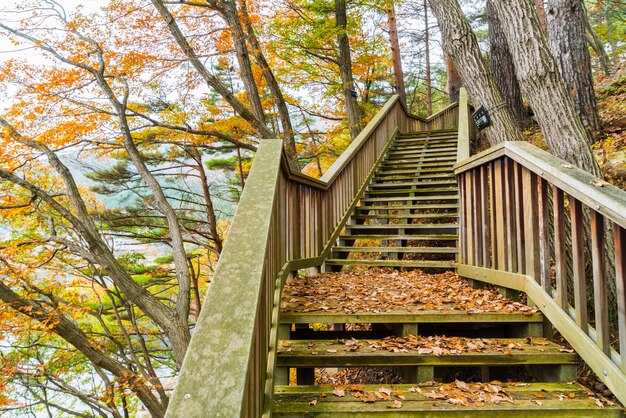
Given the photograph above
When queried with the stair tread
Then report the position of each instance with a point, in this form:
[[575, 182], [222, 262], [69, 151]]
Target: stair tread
[[393, 263], [414, 183], [430, 237], [403, 226], [411, 350], [410, 198], [406, 317], [433, 250], [442, 215], [554, 401], [409, 207]]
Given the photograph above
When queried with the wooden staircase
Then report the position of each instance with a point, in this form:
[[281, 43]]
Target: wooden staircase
[[407, 219], [411, 203]]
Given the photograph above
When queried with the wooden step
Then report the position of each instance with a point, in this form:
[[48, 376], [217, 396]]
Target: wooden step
[[405, 317], [394, 263], [537, 400], [411, 198], [405, 227], [405, 250], [401, 237], [443, 215], [419, 159], [407, 177], [417, 190], [415, 172], [413, 183], [422, 152], [333, 353], [441, 166], [363, 209]]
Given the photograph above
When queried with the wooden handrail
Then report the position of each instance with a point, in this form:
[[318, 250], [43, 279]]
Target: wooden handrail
[[285, 221], [525, 211]]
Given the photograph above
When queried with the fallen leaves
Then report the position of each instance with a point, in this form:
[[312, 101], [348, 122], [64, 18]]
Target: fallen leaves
[[339, 392], [599, 183], [380, 290]]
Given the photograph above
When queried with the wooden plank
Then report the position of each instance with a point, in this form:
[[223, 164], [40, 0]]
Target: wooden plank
[[469, 221], [500, 236], [531, 233], [485, 225], [477, 218], [408, 317], [493, 233], [600, 296], [519, 217], [560, 256], [463, 151], [544, 231], [620, 286], [511, 212], [578, 263]]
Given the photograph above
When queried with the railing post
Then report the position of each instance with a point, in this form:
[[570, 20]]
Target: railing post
[[463, 151]]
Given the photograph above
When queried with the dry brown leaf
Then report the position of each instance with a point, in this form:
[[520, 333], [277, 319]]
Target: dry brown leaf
[[339, 393], [395, 405], [539, 395], [536, 402], [599, 183], [368, 397], [462, 385], [313, 402]]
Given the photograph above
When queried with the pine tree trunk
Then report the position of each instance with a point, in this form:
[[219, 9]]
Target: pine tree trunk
[[566, 35], [543, 86], [453, 83], [461, 45], [504, 70], [429, 92], [345, 68], [395, 52]]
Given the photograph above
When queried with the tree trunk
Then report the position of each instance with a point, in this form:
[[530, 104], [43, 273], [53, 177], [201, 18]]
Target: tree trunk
[[541, 13], [566, 34], [395, 52], [598, 47], [504, 70], [542, 84], [228, 10], [345, 68], [453, 83], [272, 83], [429, 92], [461, 45]]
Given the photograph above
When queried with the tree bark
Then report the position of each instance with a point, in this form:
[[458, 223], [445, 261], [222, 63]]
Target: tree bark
[[461, 45], [541, 83], [345, 68], [541, 13], [504, 70], [429, 92], [566, 35], [395, 52], [598, 47], [453, 83]]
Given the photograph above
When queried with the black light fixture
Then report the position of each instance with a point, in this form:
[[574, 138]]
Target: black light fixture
[[481, 118]]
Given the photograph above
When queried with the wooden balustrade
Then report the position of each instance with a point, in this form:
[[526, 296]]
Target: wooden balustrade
[[534, 223], [285, 221]]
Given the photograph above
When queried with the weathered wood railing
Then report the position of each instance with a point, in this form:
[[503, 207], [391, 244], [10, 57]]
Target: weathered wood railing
[[285, 221], [524, 217]]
